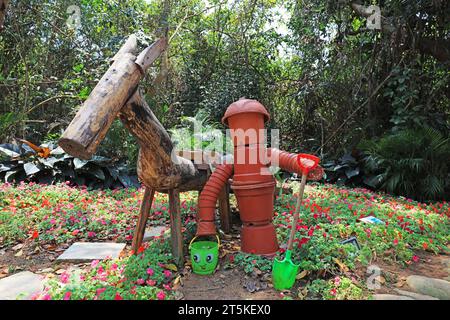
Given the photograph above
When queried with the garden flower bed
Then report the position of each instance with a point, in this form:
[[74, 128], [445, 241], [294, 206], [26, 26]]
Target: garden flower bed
[[59, 215]]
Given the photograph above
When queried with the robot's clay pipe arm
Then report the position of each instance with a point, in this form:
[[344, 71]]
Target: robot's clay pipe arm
[[208, 199], [288, 162], [285, 160]]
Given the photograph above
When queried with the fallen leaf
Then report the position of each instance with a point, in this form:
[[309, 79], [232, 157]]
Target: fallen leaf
[[19, 254], [302, 274], [17, 247], [341, 265], [171, 267]]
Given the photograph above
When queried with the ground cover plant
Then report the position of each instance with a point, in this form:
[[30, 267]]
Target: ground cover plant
[[61, 214]]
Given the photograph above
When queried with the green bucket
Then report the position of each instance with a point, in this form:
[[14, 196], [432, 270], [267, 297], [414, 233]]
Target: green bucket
[[204, 256]]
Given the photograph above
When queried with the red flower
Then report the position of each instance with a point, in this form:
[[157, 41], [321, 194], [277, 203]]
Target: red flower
[[67, 295], [118, 296], [302, 242], [415, 258], [395, 242], [141, 249], [425, 246], [35, 234], [333, 292]]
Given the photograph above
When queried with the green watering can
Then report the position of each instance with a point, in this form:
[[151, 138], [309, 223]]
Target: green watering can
[[284, 272], [204, 256]]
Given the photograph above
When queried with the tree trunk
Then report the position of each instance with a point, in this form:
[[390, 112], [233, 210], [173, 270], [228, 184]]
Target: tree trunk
[[3, 7]]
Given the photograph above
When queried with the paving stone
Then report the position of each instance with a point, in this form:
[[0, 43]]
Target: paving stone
[[21, 285], [414, 295], [429, 286], [390, 297], [87, 251], [154, 232]]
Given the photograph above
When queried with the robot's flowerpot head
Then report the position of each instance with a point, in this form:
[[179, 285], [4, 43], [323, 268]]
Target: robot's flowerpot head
[[246, 119]]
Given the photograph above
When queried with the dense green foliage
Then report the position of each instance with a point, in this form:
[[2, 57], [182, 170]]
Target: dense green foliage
[[414, 163], [328, 80]]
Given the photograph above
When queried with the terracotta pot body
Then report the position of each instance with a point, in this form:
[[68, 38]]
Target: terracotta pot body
[[259, 239], [250, 159], [255, 202]]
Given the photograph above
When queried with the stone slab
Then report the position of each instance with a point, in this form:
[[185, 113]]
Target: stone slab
[[437, 288], [88, 251], [21, 285], [390, 297], [154, 232], [414, 295]]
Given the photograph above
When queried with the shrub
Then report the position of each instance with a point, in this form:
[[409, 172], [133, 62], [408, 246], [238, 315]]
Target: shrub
[[412, 163]]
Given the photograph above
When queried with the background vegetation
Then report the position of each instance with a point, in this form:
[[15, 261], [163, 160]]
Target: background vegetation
[[328, 80]]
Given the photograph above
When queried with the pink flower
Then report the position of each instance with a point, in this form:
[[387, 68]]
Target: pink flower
[[161, 295], [118, 296], [150, 272], [64, 277], [100, 291], [140, 281], [94, 263], [167, 287], [415, 258], [114, 267], [46, 297], [67, 295], [100, 270], [167, 273], [91, 234], [337, 281], [395, 242], [151, 282]]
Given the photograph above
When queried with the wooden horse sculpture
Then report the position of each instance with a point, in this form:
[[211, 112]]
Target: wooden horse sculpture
[[117, 95]]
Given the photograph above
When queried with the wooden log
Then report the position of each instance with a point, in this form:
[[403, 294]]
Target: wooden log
[[90, 125], [158, 165], [175, 227], [224, 209], [144, 212], [150, 54], [3, 7], [130, 46]]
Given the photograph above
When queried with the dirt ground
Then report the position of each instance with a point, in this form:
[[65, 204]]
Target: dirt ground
[[226, 285]]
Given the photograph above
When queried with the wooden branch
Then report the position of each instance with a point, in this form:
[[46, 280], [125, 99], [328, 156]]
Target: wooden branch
[[175, 227], [130, 46], [224, 209], [149, 55], [144, 212], [90, 125], [3, 7], [332, 136], [50, 99], [158, 165]]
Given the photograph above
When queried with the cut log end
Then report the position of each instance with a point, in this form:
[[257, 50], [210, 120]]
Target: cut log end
[[74, 148]]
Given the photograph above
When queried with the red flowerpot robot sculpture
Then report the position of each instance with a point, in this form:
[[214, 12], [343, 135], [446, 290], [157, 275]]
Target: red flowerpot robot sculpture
[[253, 184]]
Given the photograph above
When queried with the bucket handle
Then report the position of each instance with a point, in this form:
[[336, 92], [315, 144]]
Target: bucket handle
[[190, 243]]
